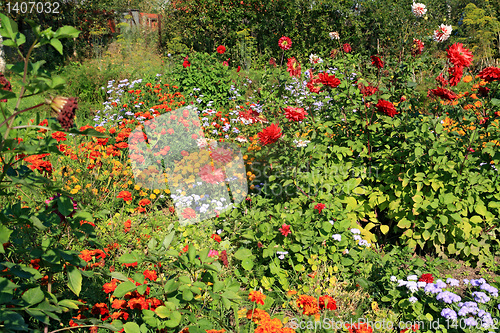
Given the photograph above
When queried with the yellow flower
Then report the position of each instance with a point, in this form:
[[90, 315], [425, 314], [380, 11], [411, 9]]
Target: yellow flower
[[94, 191], [152, 196], [137, 187], [142, 193], [156, 191]]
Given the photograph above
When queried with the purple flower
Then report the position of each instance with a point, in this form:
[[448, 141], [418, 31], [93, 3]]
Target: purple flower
[[470, 321], [432, 288], [453, 282], [489, 288], [448, 297], [440, 284], [449, 313], [413, 299], [480, 297]]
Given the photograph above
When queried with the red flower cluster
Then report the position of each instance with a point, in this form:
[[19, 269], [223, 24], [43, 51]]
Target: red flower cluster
[[270, 134], [4, 85], [347, 48], [443, 93], [295, 114], [320, 207], [386, 107], [490, 74], [459, 56], [377, 62], [256, 297], [216, 238], [323, 79], [426, 278], [186, 63], [417, 47], [285, 229], [367, 90]]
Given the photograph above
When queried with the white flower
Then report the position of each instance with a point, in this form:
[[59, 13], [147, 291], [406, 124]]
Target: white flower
[[393, 278], [357, 237], [334, 35], [355, 231], [337, 237], [418, 9], [314, 59], [301, 143], [412, 278], [442, 33]]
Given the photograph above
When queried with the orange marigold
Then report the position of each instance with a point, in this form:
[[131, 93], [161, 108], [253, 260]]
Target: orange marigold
[[269, 325], [257, 315], [256, 297], [308, 304]]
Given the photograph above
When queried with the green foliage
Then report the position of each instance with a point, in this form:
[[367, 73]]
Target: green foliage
[[483, 25]]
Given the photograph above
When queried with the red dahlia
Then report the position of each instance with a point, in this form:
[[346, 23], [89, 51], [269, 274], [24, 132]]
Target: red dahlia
[[270, 134], [314, 85], [347, 47], [490, 74], [4, 85], [417, 47], [386, 107], [330, 81], [186, 63], [367, 90], [455, 75], [285, 43], [459, 56], [426, 278], [295, 114], [221, 49], [443, 93], [377, 62], [442, 81], [293, 67]]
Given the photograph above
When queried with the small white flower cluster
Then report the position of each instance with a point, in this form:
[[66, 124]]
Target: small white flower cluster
[[301, 143]]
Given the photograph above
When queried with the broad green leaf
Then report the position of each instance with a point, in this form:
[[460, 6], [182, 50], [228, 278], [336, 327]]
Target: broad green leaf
[[124, 288], [131, 327], [74, 279], [175, 319], [168, 239], [57, 45], [66, 32], [33, 296], [64, 205], [384, 229], [243, 253]]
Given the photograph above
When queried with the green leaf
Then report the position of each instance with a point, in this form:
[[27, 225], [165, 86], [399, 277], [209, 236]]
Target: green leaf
[[175, 319], [64, 205], [130, 258], [67, 32], [9, 27], [124, 288], [384, 229], [168, 239], [191, 254], [74, 280], [131, 327], [4, 236], [247, 264], [163, 311], [68, 303], [33, 296], [57, 45], [243, 253]]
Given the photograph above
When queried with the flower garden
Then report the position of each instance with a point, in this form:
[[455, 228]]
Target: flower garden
[[332, 193]]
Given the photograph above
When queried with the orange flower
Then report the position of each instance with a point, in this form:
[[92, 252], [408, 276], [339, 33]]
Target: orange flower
[[327, 302], [308, 304], [109, 287], [119, 304], [188, 213], [59, 136], [216, 238], [151, 275], [125, 195], [144, 202], [127, 225], [359, 328], [100, 309], [216, 331], [269, 325], [257, 315], [256, 297], [291, 292]]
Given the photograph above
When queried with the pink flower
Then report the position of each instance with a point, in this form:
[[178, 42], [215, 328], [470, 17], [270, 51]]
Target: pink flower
[[285, 230], [320, 207], [213, 253]]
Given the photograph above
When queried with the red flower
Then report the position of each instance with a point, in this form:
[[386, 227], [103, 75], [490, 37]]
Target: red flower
[[417, 47], [295, 114], [270, 134], [320, 207], [272, 62], [442, 81], [125, 195], [386, 107], [238, 69], [100, 309], [221, 49], [330, 81], [459, 56], [225, 63], [377, 62], [59, 136], [144, 202], [151, 275], [216, 238], [4, 85], [443, 93], [293, 67], [285, 230], [426, 278], [347, 47], [314, 85], [327, 302], [490, 74], [188, 213], [359, 328], [367, 90], [186, 63], [455, 75], [127, 225], [119, 304], [109, 287], [285, 43]]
